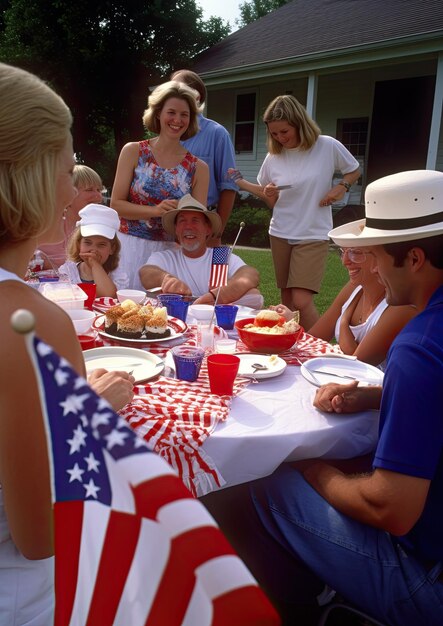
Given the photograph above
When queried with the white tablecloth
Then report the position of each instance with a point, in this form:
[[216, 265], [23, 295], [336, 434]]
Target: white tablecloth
[[273, 421]]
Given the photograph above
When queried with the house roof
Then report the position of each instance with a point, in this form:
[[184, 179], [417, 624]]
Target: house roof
[[305, 27]]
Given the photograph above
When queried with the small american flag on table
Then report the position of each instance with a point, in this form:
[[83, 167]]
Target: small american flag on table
[[132, 546], [219, 268]]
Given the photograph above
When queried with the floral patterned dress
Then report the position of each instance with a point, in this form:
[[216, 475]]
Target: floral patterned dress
[[151, 185]]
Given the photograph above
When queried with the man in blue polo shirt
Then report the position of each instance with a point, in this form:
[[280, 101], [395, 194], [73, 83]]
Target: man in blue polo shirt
[[213, 145], [376, 537]]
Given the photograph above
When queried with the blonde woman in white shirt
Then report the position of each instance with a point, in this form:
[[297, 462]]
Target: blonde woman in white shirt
[[303, 159]]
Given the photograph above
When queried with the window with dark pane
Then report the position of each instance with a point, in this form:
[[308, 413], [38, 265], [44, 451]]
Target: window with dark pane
[[245, 123], [353, 133]]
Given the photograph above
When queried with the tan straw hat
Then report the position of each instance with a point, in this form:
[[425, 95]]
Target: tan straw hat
[[188, 203], [400, 207]]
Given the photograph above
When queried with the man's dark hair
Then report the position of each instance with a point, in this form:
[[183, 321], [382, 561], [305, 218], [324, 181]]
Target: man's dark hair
[[431, 246], [193, 80]]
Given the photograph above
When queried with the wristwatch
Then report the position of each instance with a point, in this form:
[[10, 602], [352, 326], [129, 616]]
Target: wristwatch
[[345, 184]]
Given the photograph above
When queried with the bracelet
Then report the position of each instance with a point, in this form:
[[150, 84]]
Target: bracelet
[[212, 294], [345, 184]]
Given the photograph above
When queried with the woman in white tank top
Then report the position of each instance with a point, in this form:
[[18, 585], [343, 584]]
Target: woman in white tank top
[[359, 318]]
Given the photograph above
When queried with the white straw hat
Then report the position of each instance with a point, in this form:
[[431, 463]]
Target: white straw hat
[[98, 219], [400, 207], [188, 203]]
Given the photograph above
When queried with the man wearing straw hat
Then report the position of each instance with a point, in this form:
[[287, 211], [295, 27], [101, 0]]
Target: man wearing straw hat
[[187, 269], [376, 537]]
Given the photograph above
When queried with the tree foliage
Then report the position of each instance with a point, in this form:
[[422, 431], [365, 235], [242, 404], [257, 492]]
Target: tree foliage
[[252, 10], [102, 57]]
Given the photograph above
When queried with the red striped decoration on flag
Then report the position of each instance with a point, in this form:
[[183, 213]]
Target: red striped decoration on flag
[[219, 267]]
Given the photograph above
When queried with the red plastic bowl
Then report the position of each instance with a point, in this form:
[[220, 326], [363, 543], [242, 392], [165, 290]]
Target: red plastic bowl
[[262, 342]]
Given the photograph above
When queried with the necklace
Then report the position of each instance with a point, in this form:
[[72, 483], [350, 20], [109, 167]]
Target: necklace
[[365, 314]]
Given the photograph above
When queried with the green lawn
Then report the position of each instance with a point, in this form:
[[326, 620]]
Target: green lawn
[[335, 277]]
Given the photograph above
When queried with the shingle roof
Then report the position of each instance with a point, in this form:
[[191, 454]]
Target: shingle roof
[[303, 27]]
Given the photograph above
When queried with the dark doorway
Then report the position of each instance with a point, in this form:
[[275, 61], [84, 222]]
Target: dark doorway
[[401, 121]]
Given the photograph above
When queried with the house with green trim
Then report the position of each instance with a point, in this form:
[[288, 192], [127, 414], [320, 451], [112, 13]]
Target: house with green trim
[[370, 72]]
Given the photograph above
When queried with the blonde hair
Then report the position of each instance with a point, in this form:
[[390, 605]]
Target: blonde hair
[[84, 176], [156, 102], [34, 129], [73, 251], [288, 109]]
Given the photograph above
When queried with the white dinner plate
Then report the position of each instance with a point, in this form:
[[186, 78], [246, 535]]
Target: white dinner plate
[[143, 365], [176, 326], [245, 312], [322, 370], [276, 365]]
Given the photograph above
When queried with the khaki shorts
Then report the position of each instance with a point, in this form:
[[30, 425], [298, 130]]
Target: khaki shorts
[[300, 265]]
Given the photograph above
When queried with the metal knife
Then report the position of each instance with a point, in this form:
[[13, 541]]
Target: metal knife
[[359, 378]]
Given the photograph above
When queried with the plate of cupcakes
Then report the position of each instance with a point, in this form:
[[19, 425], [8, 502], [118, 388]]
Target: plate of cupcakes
[[136, 325]]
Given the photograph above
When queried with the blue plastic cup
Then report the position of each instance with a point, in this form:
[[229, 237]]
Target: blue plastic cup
[[178, 308], [176, 305], [226, 314], [187, 362], [165, 298]]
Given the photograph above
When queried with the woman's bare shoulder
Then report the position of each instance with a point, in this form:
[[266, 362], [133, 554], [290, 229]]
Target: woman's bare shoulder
[[130, 151]]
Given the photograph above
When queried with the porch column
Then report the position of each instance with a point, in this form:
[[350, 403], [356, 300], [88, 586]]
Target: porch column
[[311, 98], [434, 134]]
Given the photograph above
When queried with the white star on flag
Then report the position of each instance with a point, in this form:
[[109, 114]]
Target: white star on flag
[[91, 489], [72, 404], [75, 473], [92, 462]]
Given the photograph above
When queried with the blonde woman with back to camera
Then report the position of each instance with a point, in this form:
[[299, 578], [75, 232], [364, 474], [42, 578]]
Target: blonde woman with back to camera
[[152, 175], [36, 164]]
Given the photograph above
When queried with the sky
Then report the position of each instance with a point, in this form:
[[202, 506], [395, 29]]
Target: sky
[[226, 9]]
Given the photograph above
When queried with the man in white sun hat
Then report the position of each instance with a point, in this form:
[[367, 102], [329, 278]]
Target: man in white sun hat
[[375, 537]]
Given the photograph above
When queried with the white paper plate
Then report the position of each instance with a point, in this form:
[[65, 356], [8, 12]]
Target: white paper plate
[[245, 312], [177, 327], [275, 366], [143, 365], [322, 370]]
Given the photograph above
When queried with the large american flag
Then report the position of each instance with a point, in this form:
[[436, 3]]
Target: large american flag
[[219, 268], [132, 546]]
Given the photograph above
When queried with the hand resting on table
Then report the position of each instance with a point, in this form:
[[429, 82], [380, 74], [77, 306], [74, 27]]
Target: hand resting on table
[[115, 387], [334, 398]]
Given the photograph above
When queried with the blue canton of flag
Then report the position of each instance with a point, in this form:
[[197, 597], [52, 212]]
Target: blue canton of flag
[[219, 268], [131, 544]]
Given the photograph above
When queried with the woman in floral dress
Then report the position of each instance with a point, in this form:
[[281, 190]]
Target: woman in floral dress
[[152, 175]]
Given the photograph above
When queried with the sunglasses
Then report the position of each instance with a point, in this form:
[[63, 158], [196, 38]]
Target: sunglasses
[[354, 254]]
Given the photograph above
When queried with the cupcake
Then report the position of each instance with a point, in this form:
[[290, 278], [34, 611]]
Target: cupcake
[[130, 326], [156, 326], [112, 315]]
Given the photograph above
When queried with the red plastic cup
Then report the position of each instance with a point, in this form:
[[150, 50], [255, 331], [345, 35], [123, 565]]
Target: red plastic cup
[[222, 370], [86, 341], [90, 290]]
